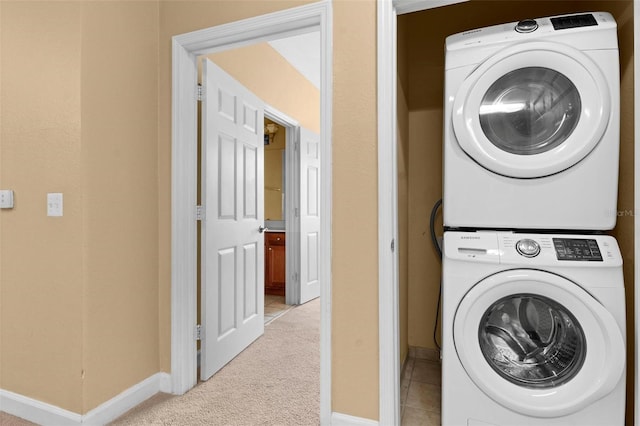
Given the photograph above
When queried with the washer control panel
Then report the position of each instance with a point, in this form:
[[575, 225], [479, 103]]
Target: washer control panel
[[511, 248], [581, 249]]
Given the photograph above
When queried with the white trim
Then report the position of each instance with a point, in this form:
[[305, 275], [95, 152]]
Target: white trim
[[186, 47], [326, 205], [339, 419], [42, 413], [36, 411], [292, 185], [125, 401], [408, 6], [184, 166], [388, 299], [636, 103]]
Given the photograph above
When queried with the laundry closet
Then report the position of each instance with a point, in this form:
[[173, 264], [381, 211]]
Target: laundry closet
[[420, 73]]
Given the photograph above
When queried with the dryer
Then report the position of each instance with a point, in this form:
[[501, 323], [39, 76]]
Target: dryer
[[531, 125], [533, 330]]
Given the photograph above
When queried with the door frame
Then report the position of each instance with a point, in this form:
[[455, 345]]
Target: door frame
[[388, 279], [388, 286], [292, 201], [185, 50]]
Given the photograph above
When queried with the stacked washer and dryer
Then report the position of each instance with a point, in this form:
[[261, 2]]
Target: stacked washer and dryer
[[533, 316]]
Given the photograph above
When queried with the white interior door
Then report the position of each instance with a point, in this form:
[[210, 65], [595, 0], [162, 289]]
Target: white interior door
[[309, 215], [233, 197]]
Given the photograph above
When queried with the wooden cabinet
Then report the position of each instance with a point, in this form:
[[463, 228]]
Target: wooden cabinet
[[275, 263]]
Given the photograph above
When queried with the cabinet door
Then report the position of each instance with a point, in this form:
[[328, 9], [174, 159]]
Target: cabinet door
[[276, 263]]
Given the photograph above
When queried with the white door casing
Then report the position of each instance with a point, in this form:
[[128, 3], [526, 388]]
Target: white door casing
[[186, 47], [309, 217], [233, 201]]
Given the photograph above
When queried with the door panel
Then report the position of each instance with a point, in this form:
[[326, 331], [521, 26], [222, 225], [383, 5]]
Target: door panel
[[232, 194], [309, 215]]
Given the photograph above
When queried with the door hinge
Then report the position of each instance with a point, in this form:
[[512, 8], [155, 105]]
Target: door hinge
[[200, 92], [295, 212], [198, 332], [393, 245], [296, 146], [295, 277], [199, 212]]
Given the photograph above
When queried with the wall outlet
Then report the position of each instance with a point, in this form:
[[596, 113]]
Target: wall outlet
[[54, 204], [6, 199]]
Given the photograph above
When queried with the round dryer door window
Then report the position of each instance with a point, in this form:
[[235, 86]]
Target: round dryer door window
[[532, 110], [537, 343]]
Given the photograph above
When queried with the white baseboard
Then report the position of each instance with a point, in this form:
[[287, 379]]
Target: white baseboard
[[36, 411], [128, 399], [46, 414], [339, 419]]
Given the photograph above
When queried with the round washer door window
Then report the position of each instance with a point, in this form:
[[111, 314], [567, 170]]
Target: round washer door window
[[530, 110], [538, 343], [532, 341]]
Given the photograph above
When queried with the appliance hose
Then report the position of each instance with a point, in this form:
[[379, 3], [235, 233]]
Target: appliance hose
[[434, 240]]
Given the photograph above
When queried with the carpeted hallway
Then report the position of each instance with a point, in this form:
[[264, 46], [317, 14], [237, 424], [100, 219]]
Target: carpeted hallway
[[275, 381]]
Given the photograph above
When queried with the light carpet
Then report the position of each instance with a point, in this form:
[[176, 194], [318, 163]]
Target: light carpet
[[275, 381]]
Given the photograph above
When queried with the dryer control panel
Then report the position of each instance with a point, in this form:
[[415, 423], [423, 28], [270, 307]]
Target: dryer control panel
[[596, 30], [573, 21]]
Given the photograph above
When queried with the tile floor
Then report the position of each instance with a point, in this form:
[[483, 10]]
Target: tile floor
[[420, 392], [274, 306]]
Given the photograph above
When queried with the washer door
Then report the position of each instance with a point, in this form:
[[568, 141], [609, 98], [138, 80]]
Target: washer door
[[532, 110], [537, 343]]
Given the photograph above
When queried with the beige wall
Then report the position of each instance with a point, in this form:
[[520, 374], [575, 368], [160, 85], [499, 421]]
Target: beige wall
[[41, 269], [423, 35], [355, 205], [120, 197], [79, 116]]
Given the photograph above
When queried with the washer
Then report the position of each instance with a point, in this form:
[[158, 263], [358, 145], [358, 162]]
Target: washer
[[533, 330], [531, 125]]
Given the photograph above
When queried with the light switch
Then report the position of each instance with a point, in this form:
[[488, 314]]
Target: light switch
[[54, 204], [6, 199]]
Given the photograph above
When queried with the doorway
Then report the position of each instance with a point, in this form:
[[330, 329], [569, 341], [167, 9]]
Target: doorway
[[186, 48]]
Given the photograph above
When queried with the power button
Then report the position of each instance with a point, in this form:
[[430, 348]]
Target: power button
[[526, 26], [528, 247]]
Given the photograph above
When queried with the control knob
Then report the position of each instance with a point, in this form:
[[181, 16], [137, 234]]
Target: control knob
[[526, 26], [528, 247]]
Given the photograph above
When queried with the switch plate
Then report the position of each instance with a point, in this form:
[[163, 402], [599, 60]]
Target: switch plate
[[6, 199], [54, 204]]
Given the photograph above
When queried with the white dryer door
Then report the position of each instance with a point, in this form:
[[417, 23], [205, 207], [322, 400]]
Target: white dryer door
[[532, 110], [537, 343]]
